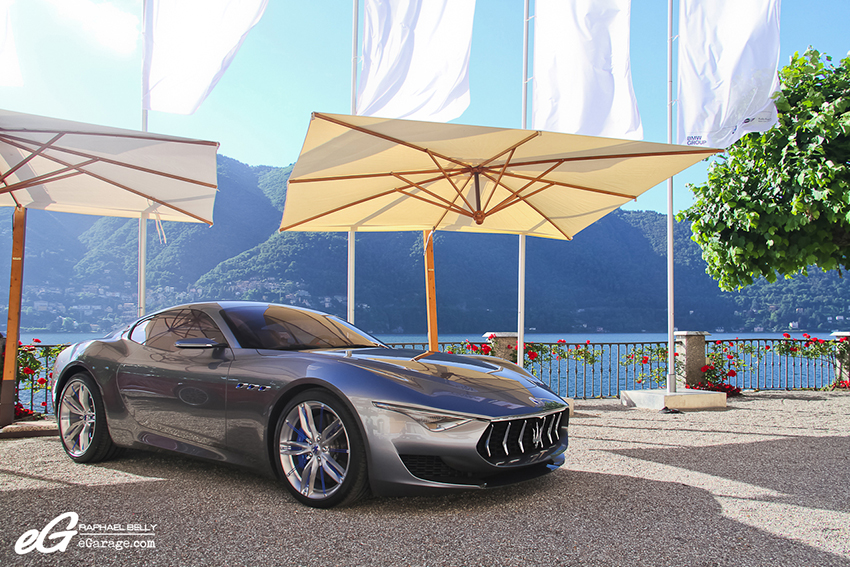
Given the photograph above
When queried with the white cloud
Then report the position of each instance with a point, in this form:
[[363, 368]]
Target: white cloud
[[103, 22]]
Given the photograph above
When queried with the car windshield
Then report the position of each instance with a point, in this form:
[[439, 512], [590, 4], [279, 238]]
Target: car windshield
[[281, 328]]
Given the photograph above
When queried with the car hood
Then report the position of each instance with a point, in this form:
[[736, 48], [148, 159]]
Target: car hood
[[490, 387]]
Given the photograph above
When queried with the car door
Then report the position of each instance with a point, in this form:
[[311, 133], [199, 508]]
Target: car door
[[178, 391]]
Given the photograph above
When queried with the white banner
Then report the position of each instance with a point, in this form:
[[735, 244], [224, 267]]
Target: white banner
[[582, 71], [188, 47], [415, 59], [728, 62], [10, 72]]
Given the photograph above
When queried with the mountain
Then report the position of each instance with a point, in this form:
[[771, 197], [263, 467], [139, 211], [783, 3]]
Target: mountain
[[80, 272]]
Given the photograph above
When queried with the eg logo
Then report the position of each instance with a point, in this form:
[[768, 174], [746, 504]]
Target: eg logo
[[33, 539]]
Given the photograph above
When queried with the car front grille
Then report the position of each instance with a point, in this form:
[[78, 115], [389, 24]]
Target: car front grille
[[519, 441]]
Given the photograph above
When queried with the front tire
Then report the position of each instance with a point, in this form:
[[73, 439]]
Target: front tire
[[320, 452], [82, 421]]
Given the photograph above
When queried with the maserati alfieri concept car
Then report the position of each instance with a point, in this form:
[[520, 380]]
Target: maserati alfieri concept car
[[303, 395]]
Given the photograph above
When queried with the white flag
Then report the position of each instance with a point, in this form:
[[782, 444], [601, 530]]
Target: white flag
[[188, 46], [728, 62], [10, 72], [582, 72], [416, 59]]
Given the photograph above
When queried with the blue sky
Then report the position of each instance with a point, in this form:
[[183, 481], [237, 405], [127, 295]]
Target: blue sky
[[82, 59]]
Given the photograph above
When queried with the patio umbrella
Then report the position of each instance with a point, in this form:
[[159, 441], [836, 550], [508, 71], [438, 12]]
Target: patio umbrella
[[60, 165], [374, 174]]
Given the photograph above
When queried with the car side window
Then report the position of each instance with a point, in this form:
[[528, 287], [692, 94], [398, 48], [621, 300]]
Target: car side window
[[163, 330]]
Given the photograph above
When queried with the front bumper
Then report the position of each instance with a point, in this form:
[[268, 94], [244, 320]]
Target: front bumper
[[407, 458]]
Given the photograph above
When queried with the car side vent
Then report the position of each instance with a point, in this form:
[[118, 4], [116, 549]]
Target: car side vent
[[433, 468], [519, 440]]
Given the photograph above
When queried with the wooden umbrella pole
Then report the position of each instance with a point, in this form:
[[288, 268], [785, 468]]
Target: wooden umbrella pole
[[13, 327], [431, 290]]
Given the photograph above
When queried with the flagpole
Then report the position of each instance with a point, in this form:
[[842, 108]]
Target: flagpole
[[520, 346], [143, 217], [351, 233], [671, 338]]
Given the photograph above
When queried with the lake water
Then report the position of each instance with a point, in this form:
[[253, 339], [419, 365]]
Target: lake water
[[530, 337], [581, 338]]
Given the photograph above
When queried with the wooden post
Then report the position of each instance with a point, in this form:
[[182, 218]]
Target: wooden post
[[431, 290], [13, 327]]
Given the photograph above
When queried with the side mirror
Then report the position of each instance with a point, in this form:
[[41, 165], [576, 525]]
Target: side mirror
[[200, 342]]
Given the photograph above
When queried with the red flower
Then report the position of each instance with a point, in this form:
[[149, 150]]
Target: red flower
[[767, 347], [474, 348], [644, 360], [806, 336], [562, 342], [705, 368], [786, 335], [44, 404], [485, 349], [492, 336], [27, 370], [729, 356], [731, 373], [532, 355], [588, 341], [718, 343], [42, 381], [36, 341]]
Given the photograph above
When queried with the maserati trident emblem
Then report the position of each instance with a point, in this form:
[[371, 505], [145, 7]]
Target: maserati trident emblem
[[537, 436]]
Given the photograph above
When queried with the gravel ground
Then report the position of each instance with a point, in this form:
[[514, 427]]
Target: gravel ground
[[763, 483]]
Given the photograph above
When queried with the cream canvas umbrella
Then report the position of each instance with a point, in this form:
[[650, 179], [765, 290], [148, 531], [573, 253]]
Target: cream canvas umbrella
[[65, 166], [374, 174]]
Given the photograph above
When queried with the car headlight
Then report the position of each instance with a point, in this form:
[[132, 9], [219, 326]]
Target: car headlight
[[432, 420]]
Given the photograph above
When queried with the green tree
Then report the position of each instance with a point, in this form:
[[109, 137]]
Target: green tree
[[779, 202]]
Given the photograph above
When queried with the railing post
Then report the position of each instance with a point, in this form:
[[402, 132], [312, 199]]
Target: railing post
[[504, 344], [842, 359], [691, 348]]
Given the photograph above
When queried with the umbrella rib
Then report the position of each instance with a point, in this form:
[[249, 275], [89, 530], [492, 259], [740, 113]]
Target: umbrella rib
[[450, 180], [515, 198], [129, 136], [539, 212], [560, 161], [347, 205], [499, 180], [32, 155], [22, 144], [449, 204], [510, 149], [514, 194], [69, 166], [150, 198], [384, 137], [57, 175], [571, 186], [15, 199], [370, 176]]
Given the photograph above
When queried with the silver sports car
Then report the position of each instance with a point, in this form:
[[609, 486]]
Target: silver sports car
[[329, 410]]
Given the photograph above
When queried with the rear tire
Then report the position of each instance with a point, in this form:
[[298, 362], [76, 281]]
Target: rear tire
[[320, 454], [82, 421]]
